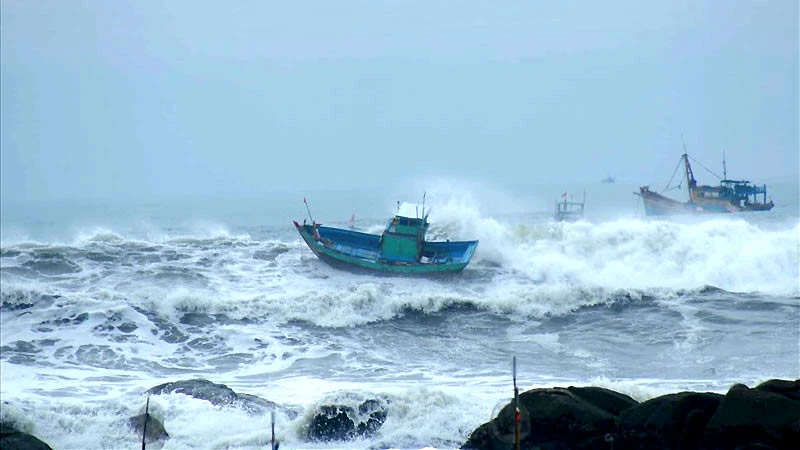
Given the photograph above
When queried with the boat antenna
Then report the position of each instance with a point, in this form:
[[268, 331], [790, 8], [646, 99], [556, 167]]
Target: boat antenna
[[684, 145], [517, 417], [724, 166], [309, 210], [146, 416], [423, 204]]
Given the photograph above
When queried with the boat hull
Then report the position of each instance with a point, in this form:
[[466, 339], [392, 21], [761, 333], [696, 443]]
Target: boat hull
[[656, 204], [360, 252]]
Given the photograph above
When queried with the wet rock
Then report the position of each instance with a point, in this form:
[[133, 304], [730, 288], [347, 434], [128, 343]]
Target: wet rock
[[500, 433], [13, 439], [767, 415], [560, 415], [786, 388], [332, 423], [344, 423], [217, 394], [155, 435], [605, 399], [669, 420]]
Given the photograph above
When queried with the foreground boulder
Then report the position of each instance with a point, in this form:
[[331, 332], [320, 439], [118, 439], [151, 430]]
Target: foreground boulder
[[555, 418], [765, 417], [343, 423], [217, 394], [155, 434], [13, 439], [670, 421]]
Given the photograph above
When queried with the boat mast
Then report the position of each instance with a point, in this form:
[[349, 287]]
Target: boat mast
[[724, 167], [691, 183]]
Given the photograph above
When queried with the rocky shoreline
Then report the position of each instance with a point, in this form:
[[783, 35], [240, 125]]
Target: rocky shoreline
[[764, 417]]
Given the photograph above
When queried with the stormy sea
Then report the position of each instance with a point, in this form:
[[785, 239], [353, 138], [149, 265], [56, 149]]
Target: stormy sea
[[104, 300]]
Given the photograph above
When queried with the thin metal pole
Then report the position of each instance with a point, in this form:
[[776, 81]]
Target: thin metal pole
[[309, 210], [146, 416], [517, 417], [272, 415]]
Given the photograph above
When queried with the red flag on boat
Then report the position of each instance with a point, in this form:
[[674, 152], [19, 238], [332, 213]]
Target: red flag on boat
[[564, 194]]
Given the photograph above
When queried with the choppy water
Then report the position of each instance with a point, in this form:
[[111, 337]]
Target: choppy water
[[101, 303]]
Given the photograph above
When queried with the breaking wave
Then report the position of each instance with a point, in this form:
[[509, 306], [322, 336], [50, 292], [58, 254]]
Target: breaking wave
[[529, 269]]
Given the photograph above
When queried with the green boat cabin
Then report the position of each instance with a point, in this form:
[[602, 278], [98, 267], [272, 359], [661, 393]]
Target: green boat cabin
[[404, 236]]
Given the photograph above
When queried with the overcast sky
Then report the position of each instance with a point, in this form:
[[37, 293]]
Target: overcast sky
[[146, 98]]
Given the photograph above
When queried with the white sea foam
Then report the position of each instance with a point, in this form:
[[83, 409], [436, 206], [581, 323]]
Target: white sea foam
[[534, 270]]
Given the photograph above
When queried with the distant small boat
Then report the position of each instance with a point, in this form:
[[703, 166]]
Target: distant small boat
[[730, 196], [400, 249], [569, 211], [608, 179]]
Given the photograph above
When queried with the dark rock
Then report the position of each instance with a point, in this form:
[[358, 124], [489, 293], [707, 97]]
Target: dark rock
[[605, 399], [755, 447], [13, 439], [257, 405], [694, 426], [484, 438], [554, 419], [756, 416], [763, 418], [558, 415], [332, 423], [343, 423], [375, 412], [155, 434], [499, 433], [217, 394], [786, 388], [662, 421]]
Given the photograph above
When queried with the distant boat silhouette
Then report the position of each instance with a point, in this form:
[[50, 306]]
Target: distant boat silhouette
[[569, 211], [608, 179]]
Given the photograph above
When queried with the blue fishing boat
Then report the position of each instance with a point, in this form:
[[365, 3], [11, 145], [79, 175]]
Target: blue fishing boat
[[729, 197], [400, 249]]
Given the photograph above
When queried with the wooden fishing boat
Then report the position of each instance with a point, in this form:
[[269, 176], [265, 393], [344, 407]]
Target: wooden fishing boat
[[400, 249], [730, 196]]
